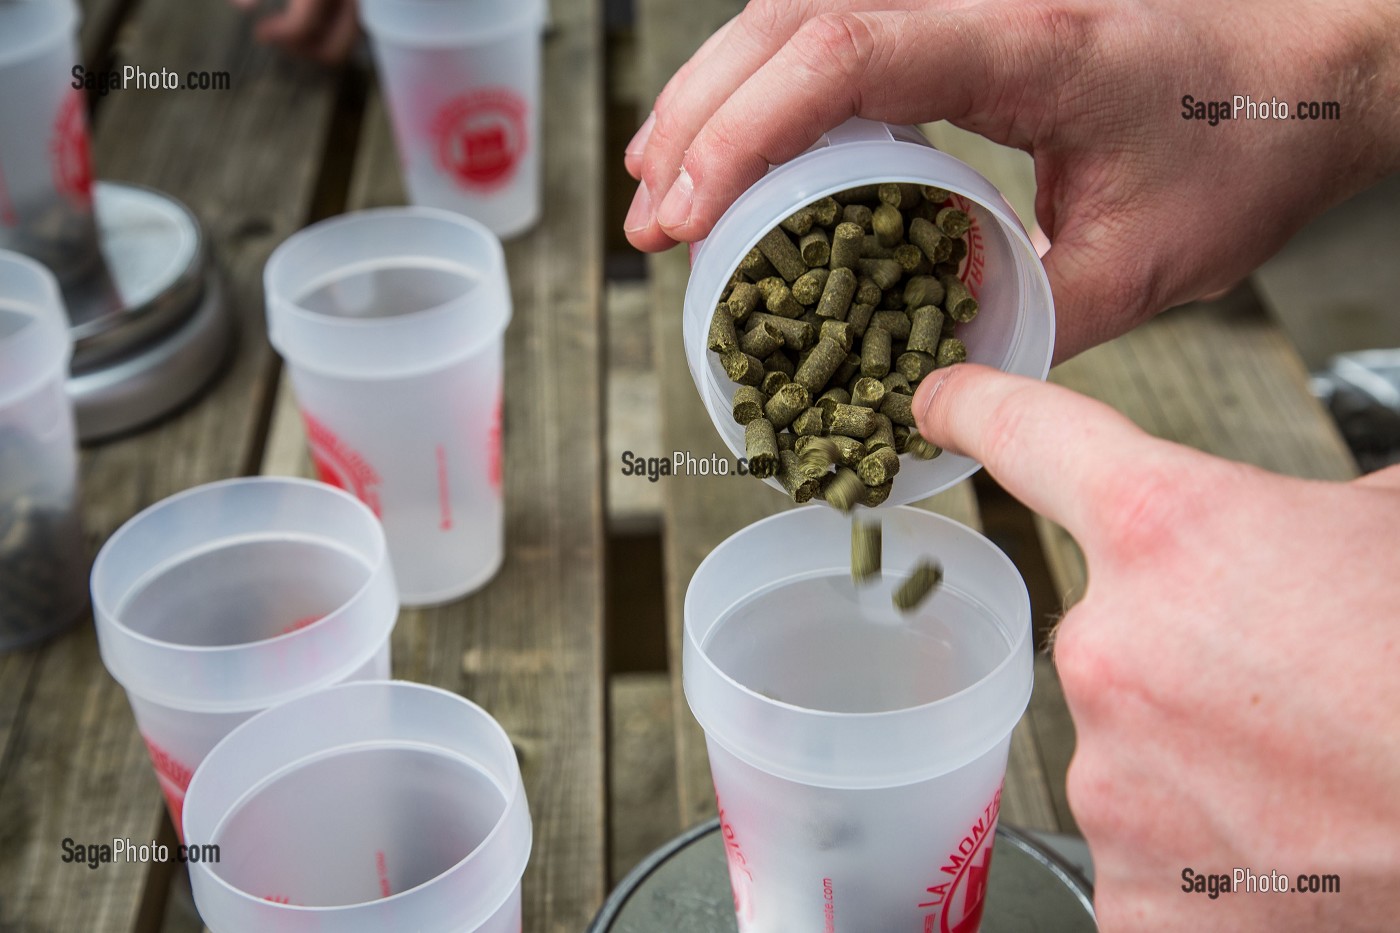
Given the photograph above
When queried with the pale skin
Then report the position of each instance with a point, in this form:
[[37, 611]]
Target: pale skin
[[323, 30], [1232, 668]]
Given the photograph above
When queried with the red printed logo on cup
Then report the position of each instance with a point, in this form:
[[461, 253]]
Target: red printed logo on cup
[[174, 777], [480, 137], [495, 442], [953, 904], [72, 159], [740, 877], [974, 265], [337, 464]]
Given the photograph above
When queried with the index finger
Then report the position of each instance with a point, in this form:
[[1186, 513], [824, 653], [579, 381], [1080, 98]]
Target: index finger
[[1061, 453]]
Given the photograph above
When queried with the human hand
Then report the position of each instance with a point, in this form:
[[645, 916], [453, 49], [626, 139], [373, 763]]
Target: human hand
[[323, 30], [1143, 209], [1231, 670]]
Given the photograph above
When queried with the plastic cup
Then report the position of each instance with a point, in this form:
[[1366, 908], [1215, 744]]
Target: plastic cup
[[218, 602], [392, 322], [1014, 332], [857, 754], [43, 563], [462, 80], [362, 808], [45, 165]]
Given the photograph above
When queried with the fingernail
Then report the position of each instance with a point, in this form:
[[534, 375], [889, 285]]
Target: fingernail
[[675, 208], [639, 214], [639, 141]]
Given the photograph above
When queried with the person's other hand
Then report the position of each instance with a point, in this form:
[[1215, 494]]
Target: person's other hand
[[1231, 671], [1143, 208], [323, 30]]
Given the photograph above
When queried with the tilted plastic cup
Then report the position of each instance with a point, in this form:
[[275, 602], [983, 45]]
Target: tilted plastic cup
[[462, 82], [359, 809], [45, 163], [1014, 331], [392, 323], [857, 754], [225, 599], [43, 564]]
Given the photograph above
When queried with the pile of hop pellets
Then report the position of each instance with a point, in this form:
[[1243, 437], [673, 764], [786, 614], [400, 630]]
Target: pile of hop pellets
[[828, 326]]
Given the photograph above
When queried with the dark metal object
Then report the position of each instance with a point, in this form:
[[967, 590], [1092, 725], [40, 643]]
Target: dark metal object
[[683, 887]]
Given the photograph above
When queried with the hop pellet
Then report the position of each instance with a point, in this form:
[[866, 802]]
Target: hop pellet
[[920, 585], [865, 550]]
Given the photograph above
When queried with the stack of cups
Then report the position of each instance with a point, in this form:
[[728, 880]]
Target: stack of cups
[[42, 560], [359, 809], [392, 323], [226, 599], [462, 78]]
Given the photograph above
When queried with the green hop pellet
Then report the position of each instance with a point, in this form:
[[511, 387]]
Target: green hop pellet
[[883, 435], [742, 368], [911, 259], [953, 221], [875, 352], [934, 194], [849, 421], [849, 451], [797, 335], [786, 404], [761, 447], [777, 298], [825, 358], [894, 323], [816, 455], [798, 222], [780, 362], [878, 466], [859, 316], [860, 194], [801, 488], [810, 317], [779, 250], [760, 341], [923, 581], [925, 329], [809, 423], [951, 351], [860, 215], [786, 441], [836, 296], [809, 287], [723, 337], [815, 248], [921, 290], [895, 382], [747, 404], [844, 490], [773, 380], [838, 331], [913, 365], [755, 266], [865, 551], [930, 239], [876, 495], [743, 300], [888, 224], [826, 211], [918, 446], [868, 392], [845, 246], [849, 367], [883, 272], [899, 408], [958, 301]]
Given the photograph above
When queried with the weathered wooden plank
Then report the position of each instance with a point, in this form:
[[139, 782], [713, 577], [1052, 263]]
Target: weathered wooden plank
[[529, 646], [641, 761], [246, 161]]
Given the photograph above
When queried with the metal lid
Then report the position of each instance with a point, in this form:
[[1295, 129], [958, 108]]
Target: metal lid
[[683, 887]]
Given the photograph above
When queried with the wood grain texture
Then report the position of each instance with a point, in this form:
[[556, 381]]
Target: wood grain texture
[[246, 161]]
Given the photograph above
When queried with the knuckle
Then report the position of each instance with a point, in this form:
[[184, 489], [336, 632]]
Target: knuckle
[[1085, 790], [1085, 667], [770, 18], [839, 44], [1143, 511]]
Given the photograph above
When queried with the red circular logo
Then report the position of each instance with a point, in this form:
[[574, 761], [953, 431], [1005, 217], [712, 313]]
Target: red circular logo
[[481, 137], [337, 464], [72, 159]]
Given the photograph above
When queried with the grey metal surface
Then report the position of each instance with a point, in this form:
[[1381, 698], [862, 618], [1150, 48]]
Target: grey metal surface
[[684, 888]]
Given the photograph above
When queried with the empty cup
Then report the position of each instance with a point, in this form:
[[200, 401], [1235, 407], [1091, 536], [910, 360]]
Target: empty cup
[[392, 323], [43, 564], [223, 600], [359, 809], [857, 753], [462, 82]]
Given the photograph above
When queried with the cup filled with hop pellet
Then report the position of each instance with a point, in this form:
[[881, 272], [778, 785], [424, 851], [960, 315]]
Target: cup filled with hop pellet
[[858, 725], [231, 597], [832, 287], [43, 565]]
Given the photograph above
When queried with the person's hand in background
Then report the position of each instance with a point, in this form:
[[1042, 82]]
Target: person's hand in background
[[1144, 209], [324, 30], [1231, 670]]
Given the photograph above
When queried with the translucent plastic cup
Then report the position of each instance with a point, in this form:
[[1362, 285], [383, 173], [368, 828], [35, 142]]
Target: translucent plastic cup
[[1014, 331], [43, 566], [462, 81], [393, 323], [45, 166], [228, 598], [857, 754], [359, 809]]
